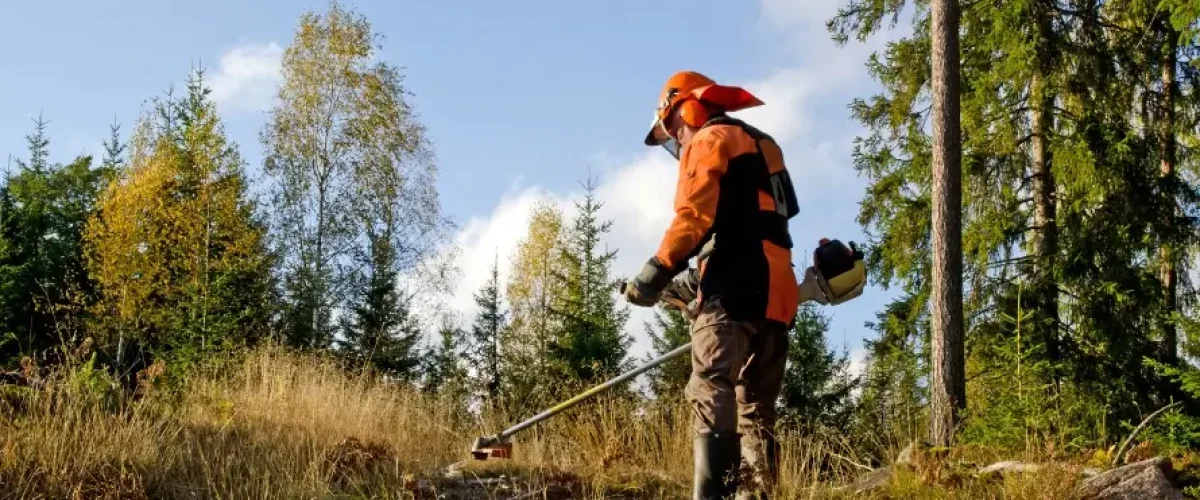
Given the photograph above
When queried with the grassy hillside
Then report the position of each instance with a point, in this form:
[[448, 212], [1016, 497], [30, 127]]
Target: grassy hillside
[[278, 425]]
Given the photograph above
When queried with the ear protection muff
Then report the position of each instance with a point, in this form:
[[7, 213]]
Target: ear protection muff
[[693, 113]]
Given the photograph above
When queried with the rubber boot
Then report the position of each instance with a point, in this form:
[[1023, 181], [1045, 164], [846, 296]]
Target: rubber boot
[[760, 451], [717, 459]]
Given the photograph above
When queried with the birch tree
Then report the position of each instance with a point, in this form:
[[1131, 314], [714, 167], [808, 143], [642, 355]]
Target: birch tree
[[349, 164]]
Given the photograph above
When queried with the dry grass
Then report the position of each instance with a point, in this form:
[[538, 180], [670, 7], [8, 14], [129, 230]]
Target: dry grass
[[286, 426]]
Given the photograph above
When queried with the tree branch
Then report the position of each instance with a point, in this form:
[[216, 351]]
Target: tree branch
[[1119, 456]]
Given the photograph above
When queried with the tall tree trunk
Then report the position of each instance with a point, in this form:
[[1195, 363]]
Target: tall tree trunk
[[1166, 131], [1045, 225], [1045, 228], [318, 289], [949, 385]]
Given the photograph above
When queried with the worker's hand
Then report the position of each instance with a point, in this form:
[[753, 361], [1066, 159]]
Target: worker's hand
[[644, 289], [639, 294], [810, 288]]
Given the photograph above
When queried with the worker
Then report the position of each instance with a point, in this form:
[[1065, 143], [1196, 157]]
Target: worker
[[733, 200]]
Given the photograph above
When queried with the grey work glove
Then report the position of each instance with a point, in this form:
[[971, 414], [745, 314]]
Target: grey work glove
[[644, 289]]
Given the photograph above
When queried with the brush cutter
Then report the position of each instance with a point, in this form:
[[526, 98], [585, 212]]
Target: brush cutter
[[844, 266], [498, 446]]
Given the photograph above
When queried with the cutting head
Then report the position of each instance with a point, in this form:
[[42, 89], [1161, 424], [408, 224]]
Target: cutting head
[[491, 446]]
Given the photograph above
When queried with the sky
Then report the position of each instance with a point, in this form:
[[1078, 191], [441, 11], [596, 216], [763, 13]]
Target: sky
[[523, 100]]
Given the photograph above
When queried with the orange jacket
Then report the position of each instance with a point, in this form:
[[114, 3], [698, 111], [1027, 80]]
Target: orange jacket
[[734, 191]]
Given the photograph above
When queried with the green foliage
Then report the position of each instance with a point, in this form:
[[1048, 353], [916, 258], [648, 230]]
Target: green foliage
[[348, 163], [43, 283], [176, 245], [1178, 430], [92, 385], [889, 410], [1066, 145], [485, 336], [380, 331], [444, 371], [592, 343], [817, 385]]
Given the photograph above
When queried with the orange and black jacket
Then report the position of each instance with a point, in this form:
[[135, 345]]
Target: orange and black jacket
[[733, 200]]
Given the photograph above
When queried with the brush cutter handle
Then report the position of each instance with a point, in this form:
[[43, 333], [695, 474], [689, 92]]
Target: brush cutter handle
[[669, 300], [678, 351]]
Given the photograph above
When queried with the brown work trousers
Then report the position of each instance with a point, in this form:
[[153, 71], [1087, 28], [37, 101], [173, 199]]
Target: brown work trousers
[[737, 373]]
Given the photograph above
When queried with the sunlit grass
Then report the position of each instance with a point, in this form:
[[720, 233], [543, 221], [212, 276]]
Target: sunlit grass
[[280, 425]]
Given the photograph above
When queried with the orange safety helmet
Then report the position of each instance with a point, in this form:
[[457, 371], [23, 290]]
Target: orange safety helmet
[[686, 89]]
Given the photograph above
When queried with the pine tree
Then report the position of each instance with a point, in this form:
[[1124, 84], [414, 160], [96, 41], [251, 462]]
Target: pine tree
[[670, 330], [486, 332], [949, 396]]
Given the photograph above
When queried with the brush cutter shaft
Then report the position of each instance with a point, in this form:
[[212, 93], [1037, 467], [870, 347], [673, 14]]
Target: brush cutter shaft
[[679, 351]]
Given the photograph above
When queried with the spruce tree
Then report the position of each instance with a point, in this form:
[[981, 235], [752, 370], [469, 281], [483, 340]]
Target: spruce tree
[[444, 372], [888, 412], [592, 343], [114, 149], [485, 336], [44, 288], [817, 383], [380, 331]]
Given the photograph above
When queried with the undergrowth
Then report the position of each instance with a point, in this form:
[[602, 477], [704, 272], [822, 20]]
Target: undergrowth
[[280, 425]]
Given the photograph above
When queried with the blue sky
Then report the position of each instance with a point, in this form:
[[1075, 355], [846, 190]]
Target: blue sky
[[521, 99]]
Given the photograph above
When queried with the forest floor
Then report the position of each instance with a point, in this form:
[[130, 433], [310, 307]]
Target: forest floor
[[276, 425]]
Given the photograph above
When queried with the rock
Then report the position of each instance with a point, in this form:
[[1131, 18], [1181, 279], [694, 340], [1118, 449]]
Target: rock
[[1148, 479], [1009, 466], [871, 481], [453, 471]]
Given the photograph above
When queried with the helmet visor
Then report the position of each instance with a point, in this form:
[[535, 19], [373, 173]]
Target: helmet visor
[[672, 147], [658, 135]]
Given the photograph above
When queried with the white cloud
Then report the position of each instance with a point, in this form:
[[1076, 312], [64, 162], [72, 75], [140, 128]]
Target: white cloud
[[247, 77], [858, 361], [783, 95], [483, 241]]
